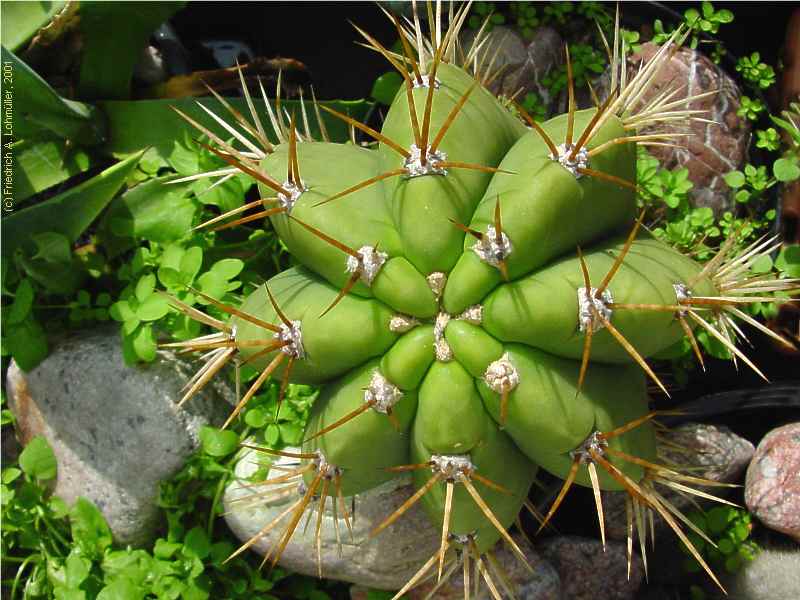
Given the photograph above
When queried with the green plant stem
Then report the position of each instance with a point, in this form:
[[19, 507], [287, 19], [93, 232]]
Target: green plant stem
[[217, 494], [52, 528], [31, 558]]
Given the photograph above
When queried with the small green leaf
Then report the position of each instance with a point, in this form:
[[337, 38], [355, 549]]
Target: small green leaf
[[37, 459], [52, 247], [786, 169], [719, 517], [190, 264], [724, 16], [130, 325], [272, 434], [788, 261], [89, 528], [212, 284], [10, 474], [164, 549], [145, 287], [27, 343], [122, 589], [256, 417], [144, 344], [156, 210], [77, 569], [218, 442], [23, 301], [386, 87], [221, 551], [170, 278], [153, 308], [734, 179], [291, 433], [196, 542], [763, 264], [228, 267]]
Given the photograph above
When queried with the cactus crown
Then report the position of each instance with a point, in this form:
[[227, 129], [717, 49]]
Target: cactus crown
[[440, 301]]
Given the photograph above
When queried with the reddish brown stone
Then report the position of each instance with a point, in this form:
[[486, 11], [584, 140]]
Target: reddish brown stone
[[772, 489], [714, 148]]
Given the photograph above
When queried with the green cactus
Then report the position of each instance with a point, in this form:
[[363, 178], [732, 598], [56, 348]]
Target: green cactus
[[440, 300]]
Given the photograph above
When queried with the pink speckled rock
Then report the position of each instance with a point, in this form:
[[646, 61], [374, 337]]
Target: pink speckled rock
[[772, 489]]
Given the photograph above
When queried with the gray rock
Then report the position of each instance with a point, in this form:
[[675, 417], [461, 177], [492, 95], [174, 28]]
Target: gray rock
[[772, 488], [713, 451], [520, 68], [545, 53], [386, 561], [771, 575], [708, 451], [116, 430], [503, 52], [588, 573]]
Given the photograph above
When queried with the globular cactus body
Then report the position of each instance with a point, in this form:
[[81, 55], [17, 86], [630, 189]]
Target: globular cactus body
[[441, 302]]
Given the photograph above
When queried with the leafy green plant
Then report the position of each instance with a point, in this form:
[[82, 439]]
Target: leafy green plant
[[787, 168], [52, 550], [535, 106], [700, 23], [587, 62], [631, 40], [657, 184], [768, 139], [758, 74], [558, 12], [595, 12], [67, 250], [726, 545], [750, 108], [525, 17], [485, 12]]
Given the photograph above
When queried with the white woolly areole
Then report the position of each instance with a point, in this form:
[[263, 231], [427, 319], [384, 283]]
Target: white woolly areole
[[288, 201], [595, 442], [382, 393], [368, 265], [473, 314], [586, 316], [452, 465], [501, 376], [581, 160], [489, 250], [682, 293], [462, 539], [425, 82], [414, 167], [293, 335], [436, 281], [402, 323], [324, 468], [440, 346]]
